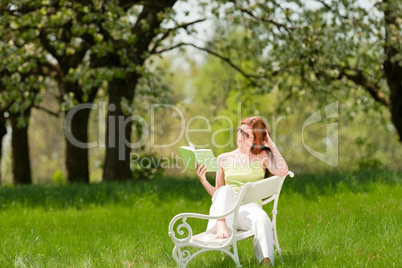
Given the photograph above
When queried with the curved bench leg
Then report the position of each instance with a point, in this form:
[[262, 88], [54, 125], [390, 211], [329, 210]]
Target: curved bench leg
[[236, 255], [181, 257], [276, 243]]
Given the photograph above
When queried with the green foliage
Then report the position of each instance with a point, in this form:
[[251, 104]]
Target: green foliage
[[146, 166], [59, 178], [20, 77], [367, 159], [73, 48], [71, 41], [297, 56], [324, 50], [300, 52]]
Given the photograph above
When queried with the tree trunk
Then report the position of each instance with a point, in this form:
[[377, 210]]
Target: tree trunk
[[395, 84], [3, 132], [118, 131], [76, 130], [20, 151], [77, 153], [393, 71]]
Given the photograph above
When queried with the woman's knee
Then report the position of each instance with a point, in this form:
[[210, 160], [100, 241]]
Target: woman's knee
[[225, 189], [224, 193], [263, 221]]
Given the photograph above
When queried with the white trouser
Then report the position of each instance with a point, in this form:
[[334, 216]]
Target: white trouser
[[251, 217]]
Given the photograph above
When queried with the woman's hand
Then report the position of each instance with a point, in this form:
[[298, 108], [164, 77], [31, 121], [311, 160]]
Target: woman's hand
[[267, 142], [275, 163], [200, 170]]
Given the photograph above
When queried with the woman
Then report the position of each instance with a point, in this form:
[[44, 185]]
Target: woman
[[256, 155]]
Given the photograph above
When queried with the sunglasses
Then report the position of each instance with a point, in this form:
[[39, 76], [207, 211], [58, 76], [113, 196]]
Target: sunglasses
[[245, 134]]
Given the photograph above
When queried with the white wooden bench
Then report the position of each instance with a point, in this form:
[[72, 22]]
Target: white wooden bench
[[267, 190]]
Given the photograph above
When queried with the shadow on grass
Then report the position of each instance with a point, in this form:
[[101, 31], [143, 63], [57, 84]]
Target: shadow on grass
[[171, 189], [100, 194]]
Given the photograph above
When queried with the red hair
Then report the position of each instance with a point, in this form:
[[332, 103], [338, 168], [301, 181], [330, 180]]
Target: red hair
[[258, 128]]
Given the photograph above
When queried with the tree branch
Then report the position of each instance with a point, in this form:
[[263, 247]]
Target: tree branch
[[329, 8], [358, 21], [283, 10], [46, 110], [251, 14], [126, 5], [355, 75], [251, 78], [373, 88], [167, 33], [46, 44], [149, 15], [25, 9]]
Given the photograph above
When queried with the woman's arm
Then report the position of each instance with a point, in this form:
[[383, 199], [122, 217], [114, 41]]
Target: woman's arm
[[219, 180], [275, 163]]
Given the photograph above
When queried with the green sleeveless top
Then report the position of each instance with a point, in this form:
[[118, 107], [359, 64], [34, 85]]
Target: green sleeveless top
[[238, 175]]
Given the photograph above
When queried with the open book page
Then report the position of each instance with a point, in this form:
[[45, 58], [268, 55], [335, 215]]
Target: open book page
[[204, 156], [190, 147]]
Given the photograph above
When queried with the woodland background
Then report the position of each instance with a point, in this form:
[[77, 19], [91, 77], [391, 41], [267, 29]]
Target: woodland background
[[283, 60]]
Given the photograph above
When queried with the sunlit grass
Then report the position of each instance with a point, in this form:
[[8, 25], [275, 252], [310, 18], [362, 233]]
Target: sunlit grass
[[336, 219]]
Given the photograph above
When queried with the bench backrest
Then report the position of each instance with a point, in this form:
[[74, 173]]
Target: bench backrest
[[262, 189]]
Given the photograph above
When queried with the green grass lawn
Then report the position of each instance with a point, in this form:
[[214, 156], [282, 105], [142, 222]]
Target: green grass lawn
[[347, 219]]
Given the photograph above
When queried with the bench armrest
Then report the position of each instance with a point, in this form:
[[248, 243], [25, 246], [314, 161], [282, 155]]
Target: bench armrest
[[185, 226]]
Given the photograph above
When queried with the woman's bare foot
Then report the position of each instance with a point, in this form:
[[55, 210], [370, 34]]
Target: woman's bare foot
[[265, 262], [221, 229]]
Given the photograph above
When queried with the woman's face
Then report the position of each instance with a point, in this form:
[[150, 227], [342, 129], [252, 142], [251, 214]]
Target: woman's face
[[244, 137]]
